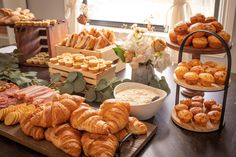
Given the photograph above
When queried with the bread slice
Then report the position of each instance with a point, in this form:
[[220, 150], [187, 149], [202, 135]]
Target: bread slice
[[82, 42]]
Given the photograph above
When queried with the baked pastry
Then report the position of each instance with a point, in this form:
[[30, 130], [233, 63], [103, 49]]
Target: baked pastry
[[185, 116], [196, 104], [65, 138], [34, 131], [191, 78], [61, 62], [68, 63], [93, 63], [94, 69], [197, 18], [196, 110], [197, 69], [77, 65], [220, 77], [210, 19], [173, 36], [201, 119], [206, 79], [214, 116], [211, 70], [180, 38], [200, 43], [136, 127], [158, 45], [216, 108], [208, 103], [115, 113], [181, 28], [102, 67], [121, 134], [213, 42], [95, 145], [198, 99], [187, 102], [217, 25], [211, 63], [194, 62], [180, 71], [209, 27], [84, 67], [224, 35], [108, 63], [180, 107], [185, 64], [196, 27], [220, 67]]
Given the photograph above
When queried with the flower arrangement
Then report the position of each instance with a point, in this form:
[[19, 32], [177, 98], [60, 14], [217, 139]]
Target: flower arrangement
[[141, 48]]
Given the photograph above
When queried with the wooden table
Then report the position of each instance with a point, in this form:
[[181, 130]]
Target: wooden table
[[170, 141]]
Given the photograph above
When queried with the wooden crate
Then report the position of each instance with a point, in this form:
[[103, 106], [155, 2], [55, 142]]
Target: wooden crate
[[105, 53], [90, 78], [31, 40]]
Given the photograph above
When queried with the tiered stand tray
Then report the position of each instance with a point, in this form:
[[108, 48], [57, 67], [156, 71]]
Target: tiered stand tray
[[196, 53]]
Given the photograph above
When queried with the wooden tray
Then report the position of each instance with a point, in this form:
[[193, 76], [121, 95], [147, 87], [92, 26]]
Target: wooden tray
[[193, 127], [190, 49], [90, 78], [130, 149], [214, 87]]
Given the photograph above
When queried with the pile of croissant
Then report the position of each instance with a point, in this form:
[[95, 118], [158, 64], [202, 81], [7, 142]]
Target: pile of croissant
[[90, 39], [9, 16], [75, 127]]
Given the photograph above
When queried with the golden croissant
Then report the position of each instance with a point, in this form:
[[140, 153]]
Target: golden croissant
[[29, 129], [96, 145], [115, 113], [136, 127], [65, 138], [87, 119]]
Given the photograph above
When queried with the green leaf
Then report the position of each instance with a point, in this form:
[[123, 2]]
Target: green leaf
[[154, 83], [114, 84], [127, 80], [98, 97], [71, 76], [31, 74], [90, 95], [120, 53], [42, 82], [107, 94], [164, 85], [25, 79], [80, 75], [79, 85], [66, 88], [55, 77], [102, 84]]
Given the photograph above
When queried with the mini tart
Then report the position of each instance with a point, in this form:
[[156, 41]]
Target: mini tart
[[185, 116], [102, 67], [187, 102], [29, 61], [200, 43], [94, 69], [108, 63], [84, 67], [68, 63], [100, 61], [220, 77], [197, 69], [196, 110], [90, 57], [93, 63], [201, 119], [198, 99], [196, 104], [206, 79], [61, 62], [79, 58], [77, 65], [214, 116], [180, 107], [209, 103], [191, 78], [216, 108], [180, 71]]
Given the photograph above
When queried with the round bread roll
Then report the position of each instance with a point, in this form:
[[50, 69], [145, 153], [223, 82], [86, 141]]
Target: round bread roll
[[181, 28], [216, 108], [191, 78], [201, 119], [209, 27], [173, 36], [213, 42], [180, 71], [211, 64], [200, 43], [180, 39], [188, 23], [197, 18], [185, 64], [220, 77], [196, 110], [197, 69], [210, 70], [210, 19], [196, 104], [220, 67], [217, 25], [180, 107], [198, 99], [187, 102], [206, 79], [208, 103], [214, 116], [196, 27], [185, 116], [224, 35], [194, 62]]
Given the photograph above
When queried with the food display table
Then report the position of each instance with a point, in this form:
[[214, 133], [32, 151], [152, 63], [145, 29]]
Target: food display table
[[169, 139]]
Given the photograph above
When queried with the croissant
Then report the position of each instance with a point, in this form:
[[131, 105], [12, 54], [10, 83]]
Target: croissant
[[65, 138], [136, 127], [78, 99], [95, 145], [36, 132], [86, 118], [115, 113], [121, 134]]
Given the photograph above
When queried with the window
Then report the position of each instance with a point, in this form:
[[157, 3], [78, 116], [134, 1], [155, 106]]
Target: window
[[115, 13]]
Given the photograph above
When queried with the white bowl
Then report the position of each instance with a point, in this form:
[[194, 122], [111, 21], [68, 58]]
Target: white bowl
[[144, 111]]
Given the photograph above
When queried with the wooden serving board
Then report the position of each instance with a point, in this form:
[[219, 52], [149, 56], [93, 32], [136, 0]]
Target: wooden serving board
[[129, 149], [192, 126], [198, 87]]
